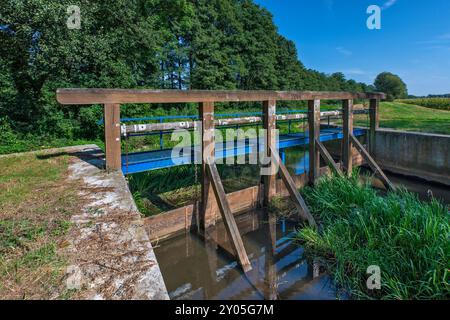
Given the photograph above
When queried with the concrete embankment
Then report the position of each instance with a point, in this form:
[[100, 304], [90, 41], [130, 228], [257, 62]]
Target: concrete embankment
[[115, 256]]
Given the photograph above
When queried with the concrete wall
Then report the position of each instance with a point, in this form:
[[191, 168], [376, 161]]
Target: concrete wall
[[416, 154]]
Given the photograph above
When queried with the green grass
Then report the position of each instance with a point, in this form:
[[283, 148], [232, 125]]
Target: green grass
[[408, 239], [35, 208], [408, 117]]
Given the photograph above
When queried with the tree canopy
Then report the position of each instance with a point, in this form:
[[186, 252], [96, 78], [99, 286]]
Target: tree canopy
[[177, 44], [392, 85]]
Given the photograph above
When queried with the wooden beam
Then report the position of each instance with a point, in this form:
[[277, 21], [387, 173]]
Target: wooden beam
[[121, 96], [314, 135], [327, 157], [227, 216], [112, 137], [374, 119], [300, 204], [373, 165], [207, 216], [269, 116], [347, 119]]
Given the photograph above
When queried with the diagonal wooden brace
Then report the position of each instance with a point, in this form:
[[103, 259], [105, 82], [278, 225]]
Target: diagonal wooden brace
[[227, 216], [293, 192], [327, 157], [373, 165]]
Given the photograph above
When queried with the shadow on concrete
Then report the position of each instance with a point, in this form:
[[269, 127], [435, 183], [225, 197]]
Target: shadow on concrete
[[90, 154]]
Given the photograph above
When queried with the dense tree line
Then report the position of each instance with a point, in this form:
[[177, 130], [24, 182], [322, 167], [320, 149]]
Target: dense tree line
[[176, 44]]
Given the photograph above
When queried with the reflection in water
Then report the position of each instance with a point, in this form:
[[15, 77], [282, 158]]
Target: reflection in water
[[197, 269]]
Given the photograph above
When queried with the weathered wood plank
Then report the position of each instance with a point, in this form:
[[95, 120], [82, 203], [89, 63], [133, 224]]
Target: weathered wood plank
[[374, 119], [314, 135], [111, 96], [373, 165], [327, 157], [269, 116], [347, 119], [112, 137], [207, 215], [293, 192], [227, 216]]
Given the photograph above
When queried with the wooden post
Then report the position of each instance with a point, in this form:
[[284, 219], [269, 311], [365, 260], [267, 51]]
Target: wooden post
[[374, 118], [112, 136], [208, 148], [314, 134], [347, 118], [269, 119]]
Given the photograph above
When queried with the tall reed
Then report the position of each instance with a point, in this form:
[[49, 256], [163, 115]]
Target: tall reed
[[407, 238]]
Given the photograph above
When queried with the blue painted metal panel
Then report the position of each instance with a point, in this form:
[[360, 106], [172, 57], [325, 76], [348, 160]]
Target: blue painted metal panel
[[158, 159]]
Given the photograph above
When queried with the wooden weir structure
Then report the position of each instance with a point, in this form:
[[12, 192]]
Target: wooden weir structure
[[213, 197]]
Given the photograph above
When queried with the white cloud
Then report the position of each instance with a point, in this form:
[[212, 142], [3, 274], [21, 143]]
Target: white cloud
[[344, 51], [388, 4]]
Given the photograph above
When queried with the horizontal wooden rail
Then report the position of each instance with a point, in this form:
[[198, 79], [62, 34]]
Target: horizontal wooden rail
[[119, 96]]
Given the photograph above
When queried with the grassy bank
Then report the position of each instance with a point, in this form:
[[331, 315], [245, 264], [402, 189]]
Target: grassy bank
[[35, 208], [408, 117], [406, 238]]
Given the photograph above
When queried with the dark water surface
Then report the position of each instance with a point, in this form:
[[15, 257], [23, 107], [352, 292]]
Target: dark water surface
[[197, 269]]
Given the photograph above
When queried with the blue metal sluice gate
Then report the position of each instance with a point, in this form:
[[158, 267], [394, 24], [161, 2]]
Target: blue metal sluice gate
[[163, 158]]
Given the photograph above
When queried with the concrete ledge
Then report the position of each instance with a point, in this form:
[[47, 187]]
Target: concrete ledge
[[113, 253], [422, 155]]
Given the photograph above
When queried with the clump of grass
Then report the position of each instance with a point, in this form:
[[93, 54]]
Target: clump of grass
[[408, 239], [282, 206]]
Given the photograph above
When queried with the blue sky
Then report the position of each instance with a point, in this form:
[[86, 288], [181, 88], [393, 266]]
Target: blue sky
[[331, 36]]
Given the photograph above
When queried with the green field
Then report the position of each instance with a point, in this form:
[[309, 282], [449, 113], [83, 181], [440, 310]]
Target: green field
[[408, 117], [434, 103]]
